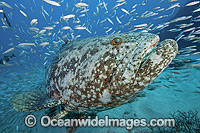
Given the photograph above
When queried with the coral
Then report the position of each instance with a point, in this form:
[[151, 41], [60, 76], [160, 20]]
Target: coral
[[184, 122]]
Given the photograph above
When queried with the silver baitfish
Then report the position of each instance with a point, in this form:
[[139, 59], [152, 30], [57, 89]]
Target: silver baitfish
[[99, 73]]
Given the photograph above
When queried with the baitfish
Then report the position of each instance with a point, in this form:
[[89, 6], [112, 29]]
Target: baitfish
[[99, 73], [6, 19]]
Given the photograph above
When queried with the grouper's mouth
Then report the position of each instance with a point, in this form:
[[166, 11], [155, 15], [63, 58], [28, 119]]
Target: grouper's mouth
[[149, 51], [157, 58], [144, 51]]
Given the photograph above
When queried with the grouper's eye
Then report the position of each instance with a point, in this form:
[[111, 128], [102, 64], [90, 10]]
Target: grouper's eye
[[116, 41]]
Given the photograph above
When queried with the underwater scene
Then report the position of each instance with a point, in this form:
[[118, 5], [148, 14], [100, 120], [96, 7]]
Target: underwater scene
[[110, 66]]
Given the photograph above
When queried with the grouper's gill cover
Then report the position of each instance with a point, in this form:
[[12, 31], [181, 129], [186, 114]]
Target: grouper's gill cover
[[94, 73]]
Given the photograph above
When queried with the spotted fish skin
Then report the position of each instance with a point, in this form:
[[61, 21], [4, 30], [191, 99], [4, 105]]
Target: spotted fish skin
[[94, 75]]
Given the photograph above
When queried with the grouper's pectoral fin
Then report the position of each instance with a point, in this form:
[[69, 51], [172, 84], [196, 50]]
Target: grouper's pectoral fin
[[155, 63], [31, 101], [57, 112]]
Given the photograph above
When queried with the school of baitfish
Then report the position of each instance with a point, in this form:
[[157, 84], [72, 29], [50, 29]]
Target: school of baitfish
[[52, 36]]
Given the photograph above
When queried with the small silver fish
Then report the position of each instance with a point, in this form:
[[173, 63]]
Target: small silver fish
[[52, 2], [192, 3]]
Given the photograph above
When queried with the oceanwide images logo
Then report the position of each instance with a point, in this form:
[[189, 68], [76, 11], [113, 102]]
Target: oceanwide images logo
[[96, 122], [45, 121]]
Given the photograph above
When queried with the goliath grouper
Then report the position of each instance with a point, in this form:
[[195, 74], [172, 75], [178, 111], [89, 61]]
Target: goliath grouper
[[99, 73]]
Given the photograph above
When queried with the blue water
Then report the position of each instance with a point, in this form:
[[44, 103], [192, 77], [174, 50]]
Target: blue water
[[27, 71]]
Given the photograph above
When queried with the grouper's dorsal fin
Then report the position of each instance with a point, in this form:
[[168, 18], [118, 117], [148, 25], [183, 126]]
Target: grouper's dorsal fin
[[31, 101]]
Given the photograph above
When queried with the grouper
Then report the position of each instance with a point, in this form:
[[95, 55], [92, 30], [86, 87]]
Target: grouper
[[99, 73]]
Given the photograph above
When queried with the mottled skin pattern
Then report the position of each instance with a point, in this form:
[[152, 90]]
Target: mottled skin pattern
[[92, 75]]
